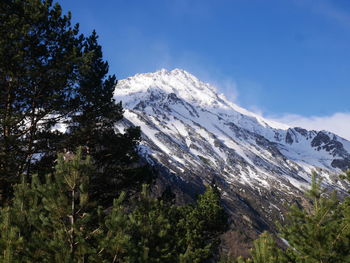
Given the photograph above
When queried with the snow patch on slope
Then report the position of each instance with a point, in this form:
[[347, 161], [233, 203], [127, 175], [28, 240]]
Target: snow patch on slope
[[189, 126]]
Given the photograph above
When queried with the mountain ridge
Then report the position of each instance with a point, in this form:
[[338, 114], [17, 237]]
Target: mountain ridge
[[151, 91], [194, 135]]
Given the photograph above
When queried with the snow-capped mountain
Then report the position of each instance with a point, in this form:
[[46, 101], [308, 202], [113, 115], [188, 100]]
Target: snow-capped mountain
[[195, 135]]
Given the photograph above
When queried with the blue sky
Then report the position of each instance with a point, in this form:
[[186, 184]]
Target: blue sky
[[286, 59]]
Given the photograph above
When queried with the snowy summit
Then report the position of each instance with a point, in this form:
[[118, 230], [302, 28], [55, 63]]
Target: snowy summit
[[189, 128], [195, 135]]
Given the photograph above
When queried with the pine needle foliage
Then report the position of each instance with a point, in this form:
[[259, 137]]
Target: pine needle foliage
[[265, 250], [52, 220], [323, 233], [39, 55], [320, 234]]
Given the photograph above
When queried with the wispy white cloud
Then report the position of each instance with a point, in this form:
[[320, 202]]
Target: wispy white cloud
[[225, 85], [338, 123], [206, 72]]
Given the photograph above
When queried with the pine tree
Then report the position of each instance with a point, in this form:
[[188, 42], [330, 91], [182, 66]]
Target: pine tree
[[52, 221], [266, 250], [93, 126], [18, 240], [39, 54], [50, 75], [155, 231], [144, 235], [115, 244], [321, 234], [97, 111], [10, 242], [203, 224], [66, 201]]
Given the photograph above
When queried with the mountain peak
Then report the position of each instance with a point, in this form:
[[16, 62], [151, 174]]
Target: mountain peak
[[185, 120], [177, 81], [173, 72], [149, 87], [193, 135]]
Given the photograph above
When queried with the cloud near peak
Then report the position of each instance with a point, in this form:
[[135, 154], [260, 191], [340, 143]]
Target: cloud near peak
[[338, 123]]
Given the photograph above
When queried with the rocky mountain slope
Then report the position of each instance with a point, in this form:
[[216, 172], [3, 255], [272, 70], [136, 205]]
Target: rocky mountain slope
[[194, 135]]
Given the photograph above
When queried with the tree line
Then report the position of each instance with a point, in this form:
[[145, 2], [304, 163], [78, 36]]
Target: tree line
[[55, 220]]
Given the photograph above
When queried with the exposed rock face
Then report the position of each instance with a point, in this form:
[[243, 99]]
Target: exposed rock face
[[194, 135]]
